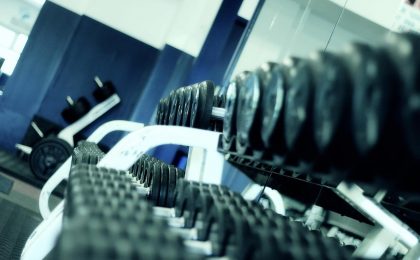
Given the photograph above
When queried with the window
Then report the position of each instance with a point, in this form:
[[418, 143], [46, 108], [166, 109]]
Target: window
[[11, 45]]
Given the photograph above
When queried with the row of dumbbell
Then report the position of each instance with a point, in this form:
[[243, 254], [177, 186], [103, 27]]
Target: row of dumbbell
[[76, 109], [106, 210], [335, 110], [191, 106], [156, 178]]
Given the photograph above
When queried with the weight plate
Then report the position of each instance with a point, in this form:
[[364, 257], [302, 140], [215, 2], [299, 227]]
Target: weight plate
[[148, 171], [172, 180], [229, 121], [174, 108], [166, 111], [202, 102], [48, 155], [159, 112], [142, 168], [275, 87], [170, 101], [298, 105], [181, 101], [373, 92], [155, 183], [248, 120], [104, 92], [405, 54], [331, 101], [187, 105], [76, 111], [164, 183]]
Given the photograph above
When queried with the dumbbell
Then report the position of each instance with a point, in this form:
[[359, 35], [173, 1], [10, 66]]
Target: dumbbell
[[103, 89], [76, 109], [230, 223], [231, 108], [196, 106], [403, 49], [186, 117], [298, 120], [108, 194], [159, 179], [273, 78], [47, 155], [248, 119], [102, 210], [332, 110]]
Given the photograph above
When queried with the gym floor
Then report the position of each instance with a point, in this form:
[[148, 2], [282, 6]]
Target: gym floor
[[19, 214]]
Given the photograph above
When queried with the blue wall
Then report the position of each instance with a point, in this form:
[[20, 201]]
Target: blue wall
[[63, 54]]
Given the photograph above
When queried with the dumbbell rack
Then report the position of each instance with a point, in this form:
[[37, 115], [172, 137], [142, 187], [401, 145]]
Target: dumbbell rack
[[123, 155]]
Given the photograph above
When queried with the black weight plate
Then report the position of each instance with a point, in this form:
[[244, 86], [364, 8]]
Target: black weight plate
[[275, 88], [104, 92], [248, 120], [155, 183], [170, 101], [331, 103], [187, 105], [202, 103], [48, 155], [195, 99], [174, 108], [76, 111], [173, 177], [148, 169], [181, 101], [159, 112], [140, 174], [164, 183], [373, 90], [142, 168], [229, 121], [298, 105], [166, 111], [172, 180], [405, 54]]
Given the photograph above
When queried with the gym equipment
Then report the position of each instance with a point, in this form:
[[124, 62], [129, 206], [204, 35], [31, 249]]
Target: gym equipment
[[207, 220], [373, 90], [248, 119], [403, 50], [332, 109], [103, 90], [229, 120], [75, 110], [275, 88], [187, 105], [202, 102], [50, 163], [298, 121], [192, 106], [47, 155], [181, 103], [173, 101], [228, 222]]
